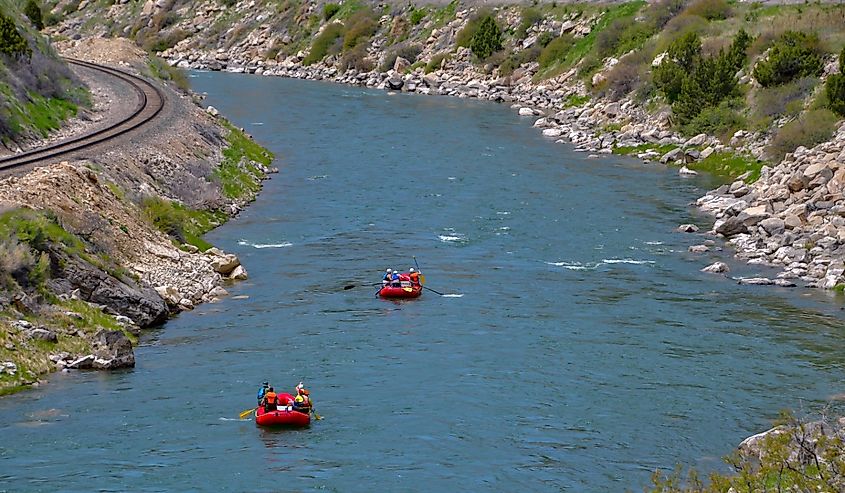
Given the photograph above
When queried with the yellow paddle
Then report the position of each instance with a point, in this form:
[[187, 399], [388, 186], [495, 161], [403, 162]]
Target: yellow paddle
[[246, 413]]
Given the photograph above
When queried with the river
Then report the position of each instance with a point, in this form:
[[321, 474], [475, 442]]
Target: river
[[578, 349]]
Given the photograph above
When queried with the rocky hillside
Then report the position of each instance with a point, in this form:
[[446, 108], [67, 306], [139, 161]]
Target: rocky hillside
[[37, 90], [752, 92], [93, 251]]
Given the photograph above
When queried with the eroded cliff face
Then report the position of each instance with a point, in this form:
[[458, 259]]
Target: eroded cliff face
[[101, 247]]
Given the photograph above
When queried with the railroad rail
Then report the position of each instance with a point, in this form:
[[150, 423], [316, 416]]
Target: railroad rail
[[150, 103]]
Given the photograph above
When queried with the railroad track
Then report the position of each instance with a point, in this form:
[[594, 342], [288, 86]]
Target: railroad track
[[150, 103]]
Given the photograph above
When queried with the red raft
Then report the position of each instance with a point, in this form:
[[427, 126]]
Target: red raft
[[406, 290], [283, 416]]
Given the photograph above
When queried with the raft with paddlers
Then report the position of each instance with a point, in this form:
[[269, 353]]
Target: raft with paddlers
[[282, 415], [403, 291], [282, 409]]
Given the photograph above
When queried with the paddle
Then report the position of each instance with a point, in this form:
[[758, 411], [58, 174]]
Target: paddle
[[433, 291], [422, 277], [246, 413]]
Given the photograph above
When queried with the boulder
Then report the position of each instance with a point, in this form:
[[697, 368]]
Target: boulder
[[697, 140], [688, 228], [796, 182], [672, 156], [82, 363], [716, 268], [815, 169], [112, 349], [773, 225], [43, 334], [211, 110], [731, 226], [753, 215], [686, 171], [698, 249], [225, 264], [524, 111], [125, 297], [400, 65], [552, 132], [394, 83], [218, 292], [239, 274]]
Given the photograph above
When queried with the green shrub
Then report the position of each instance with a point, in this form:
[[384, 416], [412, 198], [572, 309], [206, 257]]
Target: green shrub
[[835, 88], [359, 28], [33, 12], [555, 51], [356, 59], [692, 83], [709, 9], [12, 43], [487, 39], [435, 62], [408, 52], [465, 35], [722, 120], [659, 13], [329, 10], [513, 60], [813, 127], [787, 99], [322, 43], [626, 76], [530, 17], [417, 15], [794, 55]]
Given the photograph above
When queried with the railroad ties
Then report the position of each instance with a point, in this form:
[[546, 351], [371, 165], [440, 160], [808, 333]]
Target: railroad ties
[[150, 103]]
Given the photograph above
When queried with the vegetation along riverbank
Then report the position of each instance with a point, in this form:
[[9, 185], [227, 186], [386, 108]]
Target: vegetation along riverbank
[[101, 245]]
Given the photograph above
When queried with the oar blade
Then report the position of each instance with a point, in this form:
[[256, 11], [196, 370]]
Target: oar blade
[[422, 279], [246, 413]]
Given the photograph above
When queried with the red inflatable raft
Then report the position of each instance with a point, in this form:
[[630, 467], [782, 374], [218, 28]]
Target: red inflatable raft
[[283, 416], [400, 292]]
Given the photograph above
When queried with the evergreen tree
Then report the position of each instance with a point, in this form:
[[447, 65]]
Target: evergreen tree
[[33, 11], [487, 39], [12, 43], [835, 88]]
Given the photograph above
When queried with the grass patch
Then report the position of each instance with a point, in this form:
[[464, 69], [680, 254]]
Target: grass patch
[[182, 224], [574, 100], [730, 165], [639, 149], [238, 175], [161, 70], [581, 47], [41, 114]]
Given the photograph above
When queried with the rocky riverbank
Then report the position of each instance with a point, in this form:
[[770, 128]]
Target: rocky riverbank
[[792, 217], [573, 68], [103, 247]]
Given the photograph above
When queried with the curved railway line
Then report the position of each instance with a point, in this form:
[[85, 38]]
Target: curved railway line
[[150, 103]]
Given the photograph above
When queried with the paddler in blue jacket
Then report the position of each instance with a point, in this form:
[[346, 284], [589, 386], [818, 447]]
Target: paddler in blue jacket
[[263, 390]]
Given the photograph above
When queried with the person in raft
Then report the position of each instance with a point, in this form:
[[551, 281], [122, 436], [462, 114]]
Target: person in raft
[[388, 275], [302, 402], [415, 276], [395, 281], [262, 390], [270, 400]]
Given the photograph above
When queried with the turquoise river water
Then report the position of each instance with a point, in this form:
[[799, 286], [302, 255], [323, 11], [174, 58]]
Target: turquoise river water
[[579, 347]]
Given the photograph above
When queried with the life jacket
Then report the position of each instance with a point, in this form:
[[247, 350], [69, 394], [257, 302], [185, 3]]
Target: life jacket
[[415, 277], [301, 401], [270, 398]]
